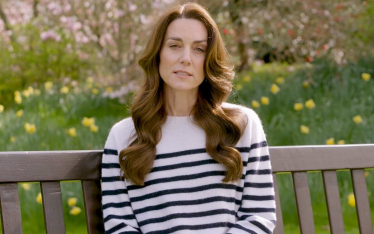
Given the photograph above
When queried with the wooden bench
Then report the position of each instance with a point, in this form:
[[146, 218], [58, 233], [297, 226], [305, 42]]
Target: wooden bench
[[49, 168]]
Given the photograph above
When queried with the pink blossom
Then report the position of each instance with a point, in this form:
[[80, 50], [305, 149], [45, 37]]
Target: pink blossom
[[120, 13], [50, 34], [67, 7], [77, 25], [132, 7], [63, 19]]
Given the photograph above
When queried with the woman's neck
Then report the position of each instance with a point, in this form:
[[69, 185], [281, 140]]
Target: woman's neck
[[180, 103]]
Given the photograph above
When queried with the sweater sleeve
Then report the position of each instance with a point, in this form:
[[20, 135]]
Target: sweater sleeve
[[257, 210], [117, 212]]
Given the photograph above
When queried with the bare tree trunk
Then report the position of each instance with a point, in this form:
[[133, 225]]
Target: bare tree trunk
[[4, 18], [35, 9], [242, 47]]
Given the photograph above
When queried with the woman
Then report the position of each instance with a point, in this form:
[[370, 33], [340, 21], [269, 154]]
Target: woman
[[186, 161]]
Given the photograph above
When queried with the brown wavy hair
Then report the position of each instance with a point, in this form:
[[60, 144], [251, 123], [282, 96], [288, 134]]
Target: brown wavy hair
[[223, 126]]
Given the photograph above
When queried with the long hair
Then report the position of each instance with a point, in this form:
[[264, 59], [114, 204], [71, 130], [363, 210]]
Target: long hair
[[223, 126]]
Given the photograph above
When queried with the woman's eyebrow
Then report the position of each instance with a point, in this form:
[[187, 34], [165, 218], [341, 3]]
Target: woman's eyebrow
[[180, 39]]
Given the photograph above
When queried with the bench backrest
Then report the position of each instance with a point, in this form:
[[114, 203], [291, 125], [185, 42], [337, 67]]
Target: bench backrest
[[49, 168], [327, 159]]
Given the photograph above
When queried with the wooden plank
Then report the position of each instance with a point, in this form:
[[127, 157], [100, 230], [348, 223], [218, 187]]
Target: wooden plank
[[10, 209], [304, 204], [52, 205], [75, 165], [49, 166], [279, 229], [362, 201], [316, 158], [334, 209], [92, 202]]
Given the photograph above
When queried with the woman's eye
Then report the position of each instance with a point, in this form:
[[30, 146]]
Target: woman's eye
[[199, 49], [172, 46]]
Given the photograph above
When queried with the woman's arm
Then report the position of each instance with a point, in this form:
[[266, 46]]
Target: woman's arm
[[257, 210], [117, 211]]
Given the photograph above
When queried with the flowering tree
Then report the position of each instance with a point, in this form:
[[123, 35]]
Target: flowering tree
[[53, 39], [291, 31]]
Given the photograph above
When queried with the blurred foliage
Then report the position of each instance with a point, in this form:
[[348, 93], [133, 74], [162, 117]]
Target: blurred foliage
[[57, 39], [339, 94], [29, 60]]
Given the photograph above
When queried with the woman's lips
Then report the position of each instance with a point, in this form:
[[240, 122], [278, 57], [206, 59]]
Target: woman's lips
[[182, 75]]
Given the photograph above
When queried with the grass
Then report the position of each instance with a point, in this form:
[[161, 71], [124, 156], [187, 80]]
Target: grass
[[338, 92]]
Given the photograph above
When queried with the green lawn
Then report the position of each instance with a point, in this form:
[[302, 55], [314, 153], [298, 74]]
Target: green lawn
[[339, 94]]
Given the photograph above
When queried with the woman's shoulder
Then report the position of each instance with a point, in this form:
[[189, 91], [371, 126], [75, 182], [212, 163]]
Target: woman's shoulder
[[250, 113], [123, 128], [123, 124]]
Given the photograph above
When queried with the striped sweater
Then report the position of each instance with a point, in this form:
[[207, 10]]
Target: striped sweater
[[184, 192]]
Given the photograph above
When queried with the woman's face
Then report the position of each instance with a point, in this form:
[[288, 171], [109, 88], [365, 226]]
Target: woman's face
[[182, 55]]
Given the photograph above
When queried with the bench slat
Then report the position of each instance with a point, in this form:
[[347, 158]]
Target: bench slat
[[49, 166], [92, 197], [279, 227], [318, 158], [10, 208], [334, 209], [362, 201], [52, 206], [304, 204]]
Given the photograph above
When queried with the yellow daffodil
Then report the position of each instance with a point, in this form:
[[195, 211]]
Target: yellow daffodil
[[351, 200], [17, 93], [246, 78], [330, 141], [89, 85], [94, 128], [341, 142], [26, 93], [72, 201], [365, 76], [19, 113], [30, 90], [64, 89], [255, 104], [357, 119], [87, 122], [279, 80], [48, 85], [95, 91], [274, 89], [12, 139], [1, 108], [72, 132], [18, 99], [265, 101], [37, 92], [109, 89], [39, 198], [30, 128], [310, 104], [305, 84], [89, 80], [26, 186], [304, 129], [75, 210], [298, 106], [239, 87], [367, 174]]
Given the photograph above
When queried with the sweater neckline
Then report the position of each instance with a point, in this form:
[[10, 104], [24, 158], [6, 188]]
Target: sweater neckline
[[179, 119]]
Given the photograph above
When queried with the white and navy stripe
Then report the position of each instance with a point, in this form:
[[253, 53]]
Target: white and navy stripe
[[184, 192]]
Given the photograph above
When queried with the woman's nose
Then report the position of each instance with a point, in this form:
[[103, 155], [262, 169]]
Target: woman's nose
[[186, 57]]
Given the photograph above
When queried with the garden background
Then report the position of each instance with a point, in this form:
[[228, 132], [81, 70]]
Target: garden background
[[68, 70]]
